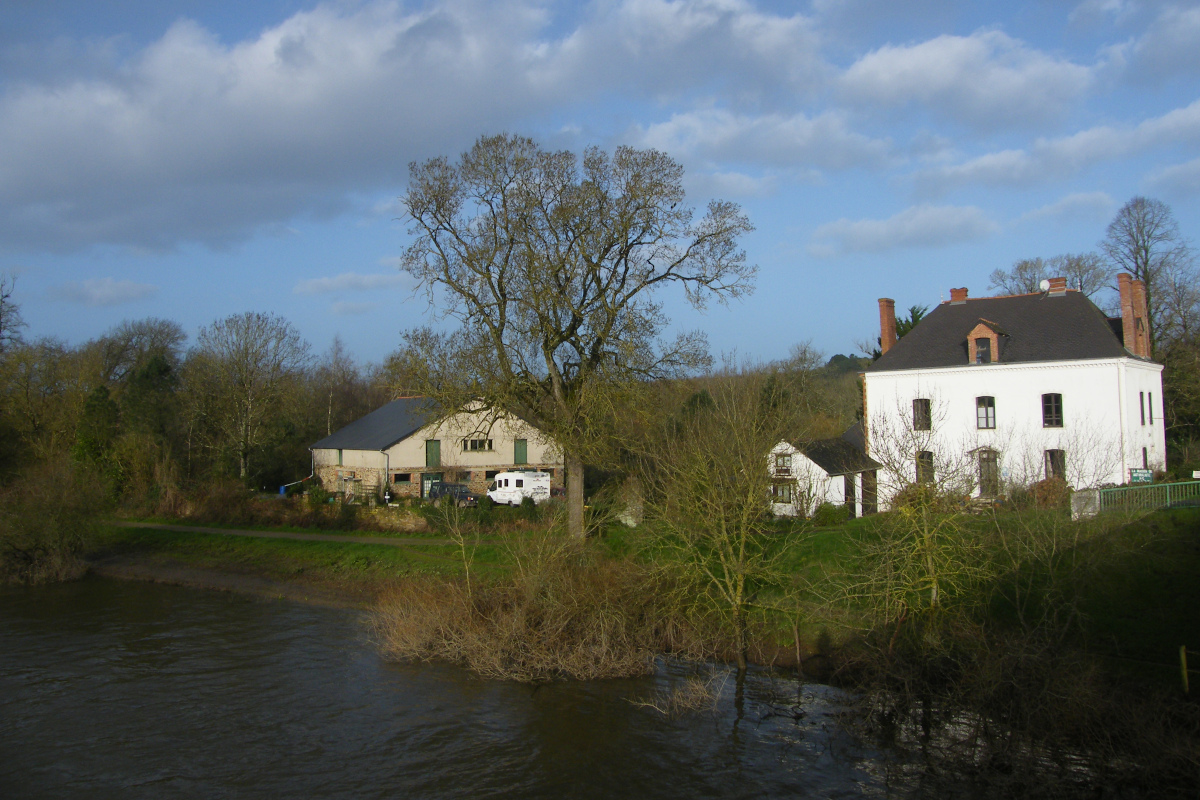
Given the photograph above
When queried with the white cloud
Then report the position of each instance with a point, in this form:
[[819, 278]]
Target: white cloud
[[1096, 10], [349, 282], [987, 79], [1081, 205], [1179, 180], [103, 292], [1049, 159], [1170, 46], [918, 226], [793, 141], [195, 139], [347, 309]]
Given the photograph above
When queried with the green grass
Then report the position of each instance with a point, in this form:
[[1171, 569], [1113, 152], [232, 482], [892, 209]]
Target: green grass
[[1137, 584]]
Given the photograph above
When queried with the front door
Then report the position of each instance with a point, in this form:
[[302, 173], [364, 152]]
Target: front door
[[427, 480]]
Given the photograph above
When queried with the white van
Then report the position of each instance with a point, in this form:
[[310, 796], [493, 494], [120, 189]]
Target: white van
[[510, 488]]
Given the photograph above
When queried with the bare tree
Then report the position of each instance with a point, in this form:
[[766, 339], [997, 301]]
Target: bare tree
[[1083, 271], [240, 371], [708, 487], [550, 265], [130, 345], [1144, 240], [11, 322], [1025, 277]]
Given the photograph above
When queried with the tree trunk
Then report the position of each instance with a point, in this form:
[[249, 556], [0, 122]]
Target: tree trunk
[[574, 466]]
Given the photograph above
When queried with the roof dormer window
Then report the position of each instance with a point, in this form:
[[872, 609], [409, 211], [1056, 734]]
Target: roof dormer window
[[983, 343], [983, 350]]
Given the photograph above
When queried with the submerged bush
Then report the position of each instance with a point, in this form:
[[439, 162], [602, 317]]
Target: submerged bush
[[559, 614], [47, 517]]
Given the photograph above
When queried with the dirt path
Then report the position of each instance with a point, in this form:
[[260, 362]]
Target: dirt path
[[390, 541]]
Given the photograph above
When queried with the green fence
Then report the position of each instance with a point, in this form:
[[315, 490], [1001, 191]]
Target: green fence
[[1150, 496]]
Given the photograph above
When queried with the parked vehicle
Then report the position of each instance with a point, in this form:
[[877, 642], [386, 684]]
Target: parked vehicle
[[510, 488], [461, 494]]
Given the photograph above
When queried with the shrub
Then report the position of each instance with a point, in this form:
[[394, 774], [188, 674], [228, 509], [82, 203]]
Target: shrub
[[828, 514], [560, 614], [1050, 493], [47, 518], [317, 498]]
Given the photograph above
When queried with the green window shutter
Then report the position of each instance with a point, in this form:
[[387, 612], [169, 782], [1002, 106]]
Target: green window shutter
[[520, 451], [339, 457], [433, 453]]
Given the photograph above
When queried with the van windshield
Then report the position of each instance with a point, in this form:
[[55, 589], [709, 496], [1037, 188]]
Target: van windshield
[[492, 486]]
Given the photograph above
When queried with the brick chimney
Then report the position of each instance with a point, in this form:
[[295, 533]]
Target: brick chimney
[[887, 324], [1058, 287], [1133, 315], [958, 296]]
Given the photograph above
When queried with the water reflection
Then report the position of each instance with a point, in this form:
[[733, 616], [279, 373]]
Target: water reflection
[[119, 689]]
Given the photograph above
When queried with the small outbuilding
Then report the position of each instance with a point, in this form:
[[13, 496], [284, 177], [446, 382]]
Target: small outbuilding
[[806, 474]]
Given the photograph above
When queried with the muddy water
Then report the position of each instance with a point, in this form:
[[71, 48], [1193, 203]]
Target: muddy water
[[123, 689]]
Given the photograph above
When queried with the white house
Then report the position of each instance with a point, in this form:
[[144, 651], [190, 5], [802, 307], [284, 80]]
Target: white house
[[406, 445], [988, 392], [837, 471]]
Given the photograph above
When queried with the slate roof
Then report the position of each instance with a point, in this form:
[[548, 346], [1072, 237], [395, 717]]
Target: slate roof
[[1036, 327], [838, 456], [383, 427]]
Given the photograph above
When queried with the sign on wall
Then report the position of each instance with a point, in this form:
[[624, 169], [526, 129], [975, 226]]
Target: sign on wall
[[1141, 476]]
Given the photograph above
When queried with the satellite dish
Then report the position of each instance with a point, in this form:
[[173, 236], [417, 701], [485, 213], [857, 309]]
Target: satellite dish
[[1044, 285]]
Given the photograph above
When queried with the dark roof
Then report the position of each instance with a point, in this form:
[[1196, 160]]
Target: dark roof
[[383, 427], [1035, 327], [838, 456]]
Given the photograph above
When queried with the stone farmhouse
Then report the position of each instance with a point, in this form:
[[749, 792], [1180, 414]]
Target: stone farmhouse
[[405, 446], [990, 392]]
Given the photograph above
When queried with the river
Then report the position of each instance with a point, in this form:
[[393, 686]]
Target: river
[[123, 689]]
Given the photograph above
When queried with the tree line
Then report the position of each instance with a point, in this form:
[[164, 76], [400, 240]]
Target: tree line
[[148, 412]]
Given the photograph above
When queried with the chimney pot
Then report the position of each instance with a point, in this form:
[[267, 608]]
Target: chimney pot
[[958, 296], [887, 324]]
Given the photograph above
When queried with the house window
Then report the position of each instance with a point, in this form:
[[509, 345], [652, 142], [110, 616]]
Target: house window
[[402, 477], [985, 412], [782, 492], [1142, 405], [1056, 464], [783, 463], [989, 473], [983, 351], [1145, 458], [1052, 413], [922, 414], [1150, 403], [339, 457], [476, 444], [924, 467]]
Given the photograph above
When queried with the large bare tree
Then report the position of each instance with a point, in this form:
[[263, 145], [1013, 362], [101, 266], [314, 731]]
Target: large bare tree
[[551, 264], [1144, 240]]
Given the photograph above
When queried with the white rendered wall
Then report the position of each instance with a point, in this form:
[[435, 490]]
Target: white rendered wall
[[1102, 433], [811, 485]]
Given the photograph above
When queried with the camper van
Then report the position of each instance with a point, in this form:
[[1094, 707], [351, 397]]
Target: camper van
[[510, 488]]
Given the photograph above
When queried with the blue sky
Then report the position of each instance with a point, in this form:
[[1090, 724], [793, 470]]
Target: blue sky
[[190, 160]]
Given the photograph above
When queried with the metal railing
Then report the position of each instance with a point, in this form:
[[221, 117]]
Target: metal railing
[[1149, 497]]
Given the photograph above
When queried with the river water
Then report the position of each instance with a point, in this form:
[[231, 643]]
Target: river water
[[123, 689]]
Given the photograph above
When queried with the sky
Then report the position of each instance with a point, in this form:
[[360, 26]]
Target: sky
[[191, 160]]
